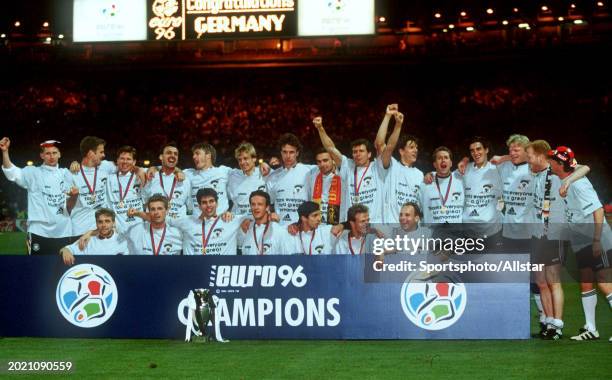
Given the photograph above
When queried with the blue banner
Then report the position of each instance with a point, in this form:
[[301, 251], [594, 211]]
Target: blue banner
[[259, 297]]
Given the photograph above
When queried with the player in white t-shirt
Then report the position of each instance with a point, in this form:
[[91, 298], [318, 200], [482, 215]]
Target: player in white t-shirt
[[358, 240], [325, 187], [261, 236], [206, 175], [123, 189], [590, 236], [49, 227], [105, 241], [288, 186], [313, 237], [246, 180], [167, 182], [90, 180], [442, 200], [208, 233], [362, 178]]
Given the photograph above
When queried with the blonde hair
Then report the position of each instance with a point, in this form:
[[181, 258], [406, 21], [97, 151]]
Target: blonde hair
[[539, 147], [521, 140], [247, 148]]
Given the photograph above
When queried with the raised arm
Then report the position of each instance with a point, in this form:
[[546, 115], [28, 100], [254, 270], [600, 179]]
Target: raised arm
[[5, 143], [387, 152], [327, 142], [379, 143]]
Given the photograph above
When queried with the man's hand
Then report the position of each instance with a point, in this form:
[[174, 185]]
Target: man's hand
[[151, 172], [399, 118], [391, 109], [5, 143], [428, 178], [178, 173], [75, 167], [597, 249], [337, 230], [67, 256], [227, 217], [244, 226], [463, 165], [274, 217], [83, 240], [318, 122], [564, 188], [293, 229], [73, 192], [264, 169], [496, 160]]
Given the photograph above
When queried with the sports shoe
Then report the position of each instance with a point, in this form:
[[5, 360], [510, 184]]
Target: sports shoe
[[553, 334], [586, 335], [541, 333]]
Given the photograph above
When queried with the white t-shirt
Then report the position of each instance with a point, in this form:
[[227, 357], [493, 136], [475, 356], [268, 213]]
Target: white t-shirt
[[131, 198], [180, 198], [140, 242], [288, 189], [434, 211], [580, 203], [483, 191], [304, 244], [363, 245], [221, 236], [556, 217], [401, 186], [215, 178], [518, 199], [370, 182], [326, 181], [241, 186], [47, 187], [92, 195], [274, 241], [114, 245]]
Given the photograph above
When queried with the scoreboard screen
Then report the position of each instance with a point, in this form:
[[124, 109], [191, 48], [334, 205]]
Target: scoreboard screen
[[176, 20]]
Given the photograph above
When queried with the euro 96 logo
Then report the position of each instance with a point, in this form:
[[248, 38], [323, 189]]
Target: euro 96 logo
[[432, 304], [86, 295]]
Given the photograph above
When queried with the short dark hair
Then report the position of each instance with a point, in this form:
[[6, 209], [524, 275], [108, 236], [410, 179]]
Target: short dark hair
[[105, 211], [320, 150], [290, 139], [127, 149], [260, 193], [207, 192], [479, 139], [90, 143], [405, 139], [207, 148], [171, 144], [441, 149], [354, 210], [417, 209], [159, 198], [367, 143]]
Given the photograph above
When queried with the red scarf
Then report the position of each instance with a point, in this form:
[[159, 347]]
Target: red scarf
[[334, 198]]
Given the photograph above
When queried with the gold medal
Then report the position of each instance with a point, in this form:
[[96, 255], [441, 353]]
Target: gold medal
[[121, 205], [93, 197], [204, 251], [443, 209]]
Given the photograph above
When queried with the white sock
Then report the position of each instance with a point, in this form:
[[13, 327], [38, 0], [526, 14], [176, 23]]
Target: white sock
[[538, 302], [550, 322], [558, 323], [609, 298], [589, 302]]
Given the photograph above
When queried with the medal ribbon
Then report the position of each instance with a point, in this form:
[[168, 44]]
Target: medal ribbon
[[122, 195], [448, 187], [311, 240], [207, 239], [351, 244], [355, 185], [92, 190], [161, 182], [260, 250], [161, 241]]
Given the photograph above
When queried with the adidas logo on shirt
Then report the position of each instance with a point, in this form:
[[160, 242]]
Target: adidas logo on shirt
[[511, 211], [474, 213]]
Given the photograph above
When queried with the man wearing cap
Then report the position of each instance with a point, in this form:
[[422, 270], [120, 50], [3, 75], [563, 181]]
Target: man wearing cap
[[590, 237], [49, 227], [312, 238]]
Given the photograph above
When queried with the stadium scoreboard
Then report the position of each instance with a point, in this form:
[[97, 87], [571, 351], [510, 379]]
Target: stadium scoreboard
[[181, 20]]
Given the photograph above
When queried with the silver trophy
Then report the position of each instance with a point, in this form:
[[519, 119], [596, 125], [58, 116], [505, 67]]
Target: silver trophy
[[204, 312]]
